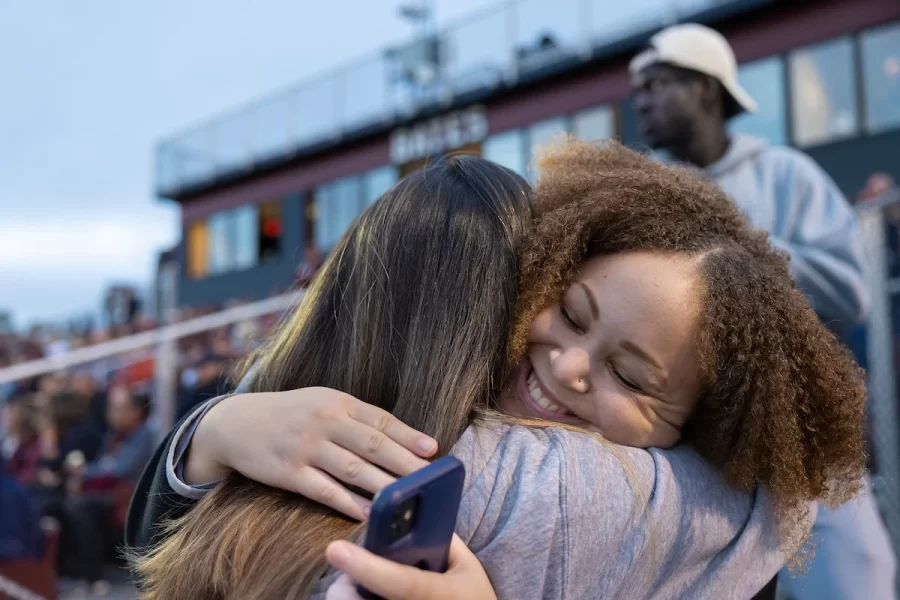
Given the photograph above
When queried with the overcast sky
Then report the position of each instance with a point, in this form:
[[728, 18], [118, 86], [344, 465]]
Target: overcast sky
[[88, 87]]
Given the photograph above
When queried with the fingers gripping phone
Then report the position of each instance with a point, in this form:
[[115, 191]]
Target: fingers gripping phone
[[413, 519]]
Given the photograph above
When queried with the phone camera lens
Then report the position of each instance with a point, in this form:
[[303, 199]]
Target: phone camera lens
[[404, 518]]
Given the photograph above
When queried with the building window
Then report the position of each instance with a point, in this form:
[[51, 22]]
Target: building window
[[543, 132], [507, 149], [270, 229], [234, 240], [764, 80], [376, 182], [594, 124], [337, 204], [823, 92], [880, 50], [246, 237], [220, 244], [197, 243]]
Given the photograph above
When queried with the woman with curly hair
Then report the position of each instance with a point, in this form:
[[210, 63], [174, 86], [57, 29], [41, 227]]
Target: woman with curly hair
[[658, 423]]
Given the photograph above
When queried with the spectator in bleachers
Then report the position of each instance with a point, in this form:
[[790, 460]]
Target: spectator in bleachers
[[85, 385], [66, 436], [20, 530], [92, 488], [20, 446], [210, 381], [128, 444], [49, 385]]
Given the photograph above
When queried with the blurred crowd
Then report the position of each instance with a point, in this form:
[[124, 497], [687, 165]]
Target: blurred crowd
[[73, 444]]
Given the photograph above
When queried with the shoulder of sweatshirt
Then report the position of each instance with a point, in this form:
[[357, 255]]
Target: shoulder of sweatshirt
[[793, 163]]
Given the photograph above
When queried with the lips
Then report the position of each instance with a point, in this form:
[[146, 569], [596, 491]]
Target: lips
[[537, 394], [539, 403]]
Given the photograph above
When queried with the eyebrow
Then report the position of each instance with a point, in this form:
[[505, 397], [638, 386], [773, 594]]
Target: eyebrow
[[592, 302]]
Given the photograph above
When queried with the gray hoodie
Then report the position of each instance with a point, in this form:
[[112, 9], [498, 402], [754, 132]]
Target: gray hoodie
[[553, 514], [556, 515], [784, 192]]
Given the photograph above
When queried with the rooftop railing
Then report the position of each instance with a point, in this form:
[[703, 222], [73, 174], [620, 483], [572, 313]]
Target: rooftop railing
[[496, 46]]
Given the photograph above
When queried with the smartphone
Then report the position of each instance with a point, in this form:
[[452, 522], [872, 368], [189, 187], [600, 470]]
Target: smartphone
[[413, 519]]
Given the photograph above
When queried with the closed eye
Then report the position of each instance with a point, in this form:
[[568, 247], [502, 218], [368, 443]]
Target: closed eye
[[570, 321], [625, 380]]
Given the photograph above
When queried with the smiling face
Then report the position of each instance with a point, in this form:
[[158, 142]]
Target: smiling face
[[619, 354]]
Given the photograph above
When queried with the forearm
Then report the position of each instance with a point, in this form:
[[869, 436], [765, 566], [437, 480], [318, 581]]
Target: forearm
[[159, 495], [154, 502]]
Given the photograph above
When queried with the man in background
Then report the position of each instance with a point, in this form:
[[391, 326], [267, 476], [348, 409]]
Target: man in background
[[685, 89], [211, 381], [95, 489], [85, 386]]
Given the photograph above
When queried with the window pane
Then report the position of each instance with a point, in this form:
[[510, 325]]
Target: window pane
[[507, 149], [220, 259], [542, 133], [594, 124], [323, 209], [376, 182], [197, 241], [338, 204], [246, 237], [881, 77], [764, 80], [349, 201], [823, 92]]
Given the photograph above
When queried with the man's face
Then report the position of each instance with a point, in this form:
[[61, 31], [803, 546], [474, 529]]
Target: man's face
[[667, 105]]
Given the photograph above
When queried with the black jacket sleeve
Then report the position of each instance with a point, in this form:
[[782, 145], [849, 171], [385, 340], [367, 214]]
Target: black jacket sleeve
[[154, 501]]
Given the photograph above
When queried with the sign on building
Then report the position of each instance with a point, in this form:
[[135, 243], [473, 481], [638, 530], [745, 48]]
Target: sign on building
[[439, 135]]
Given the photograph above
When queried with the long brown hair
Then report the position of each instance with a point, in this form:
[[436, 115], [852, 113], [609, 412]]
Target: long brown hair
[[411, 313]]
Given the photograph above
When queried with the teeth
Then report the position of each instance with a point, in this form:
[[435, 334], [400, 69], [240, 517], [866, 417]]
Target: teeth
[[535, 390]]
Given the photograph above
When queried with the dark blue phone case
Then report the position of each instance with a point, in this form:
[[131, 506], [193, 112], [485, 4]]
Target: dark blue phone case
[[427, 545]]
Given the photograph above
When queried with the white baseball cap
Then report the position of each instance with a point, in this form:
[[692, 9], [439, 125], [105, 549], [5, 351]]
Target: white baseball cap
[[697, 48]]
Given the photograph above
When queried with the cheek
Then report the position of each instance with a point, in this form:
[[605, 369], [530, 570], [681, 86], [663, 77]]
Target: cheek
[[617, 415]]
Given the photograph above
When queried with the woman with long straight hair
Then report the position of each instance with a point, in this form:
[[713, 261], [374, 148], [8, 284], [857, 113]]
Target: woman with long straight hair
[[648, 312]]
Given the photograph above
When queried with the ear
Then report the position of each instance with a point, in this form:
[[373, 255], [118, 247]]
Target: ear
[[711, 93]]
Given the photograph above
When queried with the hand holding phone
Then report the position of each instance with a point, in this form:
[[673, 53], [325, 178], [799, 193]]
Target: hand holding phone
[[413, 519], [465, 578]]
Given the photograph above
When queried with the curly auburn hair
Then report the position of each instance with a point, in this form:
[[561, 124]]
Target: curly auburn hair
[[782, 402]]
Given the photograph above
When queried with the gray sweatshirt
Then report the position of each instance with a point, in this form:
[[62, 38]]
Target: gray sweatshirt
[[553, 514], [784, 192]]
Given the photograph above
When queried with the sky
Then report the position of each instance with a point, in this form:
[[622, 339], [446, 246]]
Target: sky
[[88, 88]]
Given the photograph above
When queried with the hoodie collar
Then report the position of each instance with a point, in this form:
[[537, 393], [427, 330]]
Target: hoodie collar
[[741, 148]]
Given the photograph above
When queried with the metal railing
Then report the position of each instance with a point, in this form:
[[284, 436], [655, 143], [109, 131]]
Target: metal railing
[[162, 341], [490, 48], [882, 361]]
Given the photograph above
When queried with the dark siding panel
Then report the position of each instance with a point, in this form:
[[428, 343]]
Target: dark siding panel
[[851, 162]]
